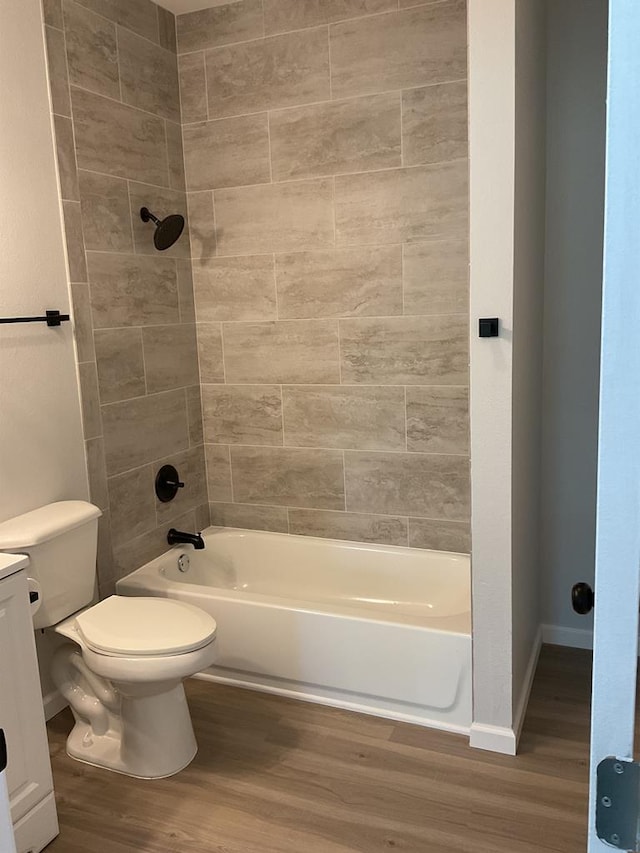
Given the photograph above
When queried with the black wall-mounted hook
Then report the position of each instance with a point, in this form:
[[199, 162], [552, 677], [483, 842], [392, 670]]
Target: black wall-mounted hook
[[488, 327], [167, 483]]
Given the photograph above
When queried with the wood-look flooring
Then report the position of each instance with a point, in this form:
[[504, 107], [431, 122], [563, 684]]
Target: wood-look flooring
[[277, 776]]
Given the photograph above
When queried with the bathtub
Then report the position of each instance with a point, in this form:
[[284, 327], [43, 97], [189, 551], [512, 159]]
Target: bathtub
[[377, 629]]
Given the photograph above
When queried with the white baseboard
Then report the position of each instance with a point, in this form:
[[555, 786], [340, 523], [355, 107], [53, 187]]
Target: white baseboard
[[493, 738], [53, 702], [558, 635], [525, 693]]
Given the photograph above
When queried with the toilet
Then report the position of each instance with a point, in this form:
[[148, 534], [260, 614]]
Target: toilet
[[123, 667]]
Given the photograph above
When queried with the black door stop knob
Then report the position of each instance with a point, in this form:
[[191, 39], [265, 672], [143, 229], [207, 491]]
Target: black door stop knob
[[582, 598]]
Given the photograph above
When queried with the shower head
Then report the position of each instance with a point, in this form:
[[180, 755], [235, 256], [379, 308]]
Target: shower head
[[167, 230]]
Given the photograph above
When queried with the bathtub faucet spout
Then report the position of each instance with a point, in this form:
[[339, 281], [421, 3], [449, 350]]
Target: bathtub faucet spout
[[178, 537]]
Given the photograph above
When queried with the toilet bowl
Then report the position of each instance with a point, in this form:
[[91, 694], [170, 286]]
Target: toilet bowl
[[123, 668], [122, 675]]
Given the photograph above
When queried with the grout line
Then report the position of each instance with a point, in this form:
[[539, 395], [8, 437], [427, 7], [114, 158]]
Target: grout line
[[335, 450], [329, 58], [215, 222], [121, 103], [406, 421], [344, 481], [206, 84], [224, 364], [233, 498], [118, 65], [275, 286], [402, 163], [269, 145], [324, 101]]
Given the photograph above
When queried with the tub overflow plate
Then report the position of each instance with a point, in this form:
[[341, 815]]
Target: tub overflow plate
[[183, 563]]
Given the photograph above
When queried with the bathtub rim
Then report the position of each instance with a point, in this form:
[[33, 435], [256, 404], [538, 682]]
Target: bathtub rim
[[159, 582]]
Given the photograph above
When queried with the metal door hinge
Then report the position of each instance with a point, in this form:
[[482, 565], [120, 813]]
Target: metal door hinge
[[618, 803]]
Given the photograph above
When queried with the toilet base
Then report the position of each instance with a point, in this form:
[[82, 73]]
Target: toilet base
[[138, 728], [105, 751]]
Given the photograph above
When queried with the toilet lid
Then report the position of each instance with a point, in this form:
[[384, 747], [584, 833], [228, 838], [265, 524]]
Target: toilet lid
[[145, 626]]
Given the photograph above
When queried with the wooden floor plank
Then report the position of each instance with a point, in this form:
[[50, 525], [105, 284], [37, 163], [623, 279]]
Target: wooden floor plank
[[273, 775]]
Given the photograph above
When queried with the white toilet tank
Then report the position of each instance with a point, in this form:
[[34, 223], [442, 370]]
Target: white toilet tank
[[61, 540]]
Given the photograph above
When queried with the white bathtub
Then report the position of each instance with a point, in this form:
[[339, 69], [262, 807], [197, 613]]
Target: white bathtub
[[373, 628]]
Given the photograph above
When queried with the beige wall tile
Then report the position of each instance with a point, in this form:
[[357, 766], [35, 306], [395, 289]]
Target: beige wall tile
[[106, 218], [280, 16], [219, 25], [286, 217], [129, 556], [74, 241], [227, 152], [91, 420], [173, 133], [58, 77], [190, 465], [340, 283], [360, 418], [193, 87], [210, 352], [438, 419], [82, 325], [436, 277], [140, 16], [141, 430], [272, 518], [281, 71], [97, 471], [288, 477], [203, 516], [119, 140], [417, 47], [104, 562], [161, 202], [148, 75], [167, 29], [434, 123], [218, 472], [406, 350], [194, 413], [132, 504], [170, 356], [242, 414], [235, 288], [66, 156], [343, 136], [120, 364], [185, 291], [132, 290], [52, 13], [433, 486], [92, 50], [294, 351], [440, 535], [419, 203], [354, 527], [202, 226]]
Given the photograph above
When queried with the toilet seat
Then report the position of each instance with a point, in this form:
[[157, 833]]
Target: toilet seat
[[144, 627]]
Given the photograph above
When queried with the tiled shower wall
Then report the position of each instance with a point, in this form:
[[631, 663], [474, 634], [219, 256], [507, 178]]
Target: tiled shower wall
[[115, 99], [325, 146]]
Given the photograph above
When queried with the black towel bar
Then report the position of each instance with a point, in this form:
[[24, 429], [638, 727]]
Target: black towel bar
[[51, 318]]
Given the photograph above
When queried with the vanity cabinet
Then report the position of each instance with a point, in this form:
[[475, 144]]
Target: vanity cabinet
[[28, 772]]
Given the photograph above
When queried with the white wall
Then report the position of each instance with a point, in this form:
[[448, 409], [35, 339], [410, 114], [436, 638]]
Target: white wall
[[492, 165], [41, 446], [577, 51], [506, 67], [528, 286]]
